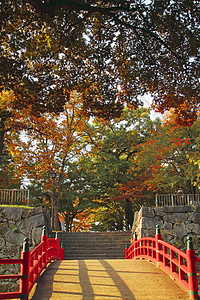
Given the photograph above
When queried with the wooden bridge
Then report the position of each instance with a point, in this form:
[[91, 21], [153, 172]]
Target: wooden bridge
[[45, 274], [105, 279]]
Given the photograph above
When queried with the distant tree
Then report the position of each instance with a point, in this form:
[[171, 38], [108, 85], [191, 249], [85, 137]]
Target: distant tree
[[7, 172], [105, 173], [50, 142], [168, 154]]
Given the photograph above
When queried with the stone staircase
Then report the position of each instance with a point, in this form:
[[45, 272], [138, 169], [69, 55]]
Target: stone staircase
[[94, 245]]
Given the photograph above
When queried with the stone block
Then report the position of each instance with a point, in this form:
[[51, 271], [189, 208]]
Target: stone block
[[2, 243], [13, 213], [177, 209], [146, 212], [197, 208], [176, 218], [36, 235], [180, 231], [37, 210], [11, 250], [193, 227], [27, 233], [1, 217], [16, 238], [33, 221], [26, 213], [167, 237], [147, 223], [146, 233], [159, 210], [3, 228], [195, 217], [135, 222], [167, 226], [178, 243]]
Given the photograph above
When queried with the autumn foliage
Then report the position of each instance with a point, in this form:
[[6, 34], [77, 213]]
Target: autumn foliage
[[109, 52]]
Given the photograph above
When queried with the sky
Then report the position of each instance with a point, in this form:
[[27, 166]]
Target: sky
[[147, 100]]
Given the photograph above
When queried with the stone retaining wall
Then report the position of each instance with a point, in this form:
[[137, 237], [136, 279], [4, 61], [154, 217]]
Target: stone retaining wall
[[16, 223], [176, 223]]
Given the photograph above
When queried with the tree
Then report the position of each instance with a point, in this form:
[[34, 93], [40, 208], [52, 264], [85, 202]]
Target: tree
[[74, 208], [7, 172], [104, 174], [10, 120], [9, 117], [168, 155], [110, 52], [49, 144]]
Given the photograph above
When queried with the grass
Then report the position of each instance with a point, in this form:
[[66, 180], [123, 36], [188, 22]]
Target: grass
[[14, 205]]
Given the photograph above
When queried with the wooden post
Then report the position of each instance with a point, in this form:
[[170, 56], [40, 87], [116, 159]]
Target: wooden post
[[126, 250], [24, 280], [192, 270], [134, 240], [62, 249], [44, 238], [156, 200], [158, 246], [57, 239]]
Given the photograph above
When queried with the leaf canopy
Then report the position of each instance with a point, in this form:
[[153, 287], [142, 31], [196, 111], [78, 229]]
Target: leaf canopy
[[111, 52]]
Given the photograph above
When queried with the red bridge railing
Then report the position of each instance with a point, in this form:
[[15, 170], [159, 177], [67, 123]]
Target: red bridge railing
[[182, 267], [32, 264]]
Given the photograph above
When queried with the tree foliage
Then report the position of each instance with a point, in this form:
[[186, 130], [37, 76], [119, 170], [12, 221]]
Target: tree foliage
[[168, 153], [111, 52], [104, 175], [48, 144], [106, 169]]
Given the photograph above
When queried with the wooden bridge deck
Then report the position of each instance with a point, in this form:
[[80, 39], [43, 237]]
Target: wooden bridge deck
[[105, 280]]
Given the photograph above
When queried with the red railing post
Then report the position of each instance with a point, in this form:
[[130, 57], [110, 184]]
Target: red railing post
[[62, 250], [158, 246], [192, 270], [59, 245], [126, 250], [44, 238], [134, 240], [57, 240], [24, 280]]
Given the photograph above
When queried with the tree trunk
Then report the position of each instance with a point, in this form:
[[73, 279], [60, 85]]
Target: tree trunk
[[129, 214], [56, 222], [2, 132]]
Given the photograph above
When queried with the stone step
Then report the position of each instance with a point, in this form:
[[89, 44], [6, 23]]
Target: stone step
[[93, 239], [95, 232], [92, 242], [92, 257], [91, 234], [92, 250], [89, 245], [93, 247]]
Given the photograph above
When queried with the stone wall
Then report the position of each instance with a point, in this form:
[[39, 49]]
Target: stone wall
[[16, 223], [176, 223]]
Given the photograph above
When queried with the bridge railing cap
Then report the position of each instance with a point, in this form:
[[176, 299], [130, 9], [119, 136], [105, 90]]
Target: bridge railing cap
[[189, 242]]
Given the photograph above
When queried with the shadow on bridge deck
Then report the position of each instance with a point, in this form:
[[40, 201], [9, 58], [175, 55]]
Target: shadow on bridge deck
[[105, 280]]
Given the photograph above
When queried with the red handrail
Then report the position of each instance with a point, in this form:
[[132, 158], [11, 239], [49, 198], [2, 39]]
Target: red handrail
[[179, 265], [32, 264]]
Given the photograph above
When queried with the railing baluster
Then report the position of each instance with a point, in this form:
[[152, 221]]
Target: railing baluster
[[177, 200], [179, 265], [32, 264], [192, 270], [14, 196], [25, 271]]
